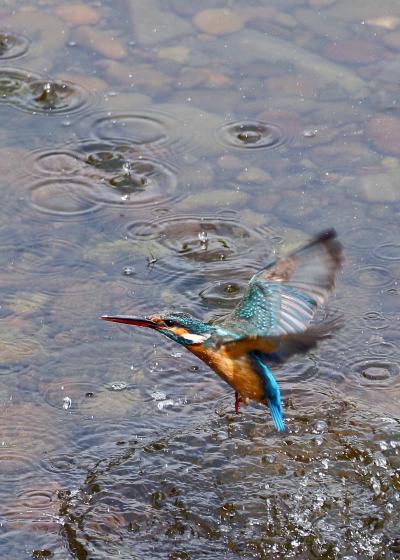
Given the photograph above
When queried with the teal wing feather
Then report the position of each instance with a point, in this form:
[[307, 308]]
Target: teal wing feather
[[282, 299]]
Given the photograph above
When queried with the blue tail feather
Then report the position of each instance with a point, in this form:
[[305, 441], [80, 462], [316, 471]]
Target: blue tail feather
[[271, 389], [277, 416]]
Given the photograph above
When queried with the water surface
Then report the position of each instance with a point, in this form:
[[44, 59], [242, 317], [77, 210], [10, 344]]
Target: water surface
[[154, 155]]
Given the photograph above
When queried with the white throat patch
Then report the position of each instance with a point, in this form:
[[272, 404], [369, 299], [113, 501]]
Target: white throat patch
[[196, 338]]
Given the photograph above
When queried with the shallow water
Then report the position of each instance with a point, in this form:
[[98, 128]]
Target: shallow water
[[156, 155]]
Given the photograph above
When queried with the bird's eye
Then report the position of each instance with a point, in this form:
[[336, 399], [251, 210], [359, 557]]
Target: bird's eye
[[169, 323]]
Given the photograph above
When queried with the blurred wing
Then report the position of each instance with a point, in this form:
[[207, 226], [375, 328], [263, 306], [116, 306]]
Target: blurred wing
[[282, 346], [283, 298]]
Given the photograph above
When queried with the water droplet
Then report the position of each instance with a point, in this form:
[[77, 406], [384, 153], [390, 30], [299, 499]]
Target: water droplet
[[67, 403], [119, 386], [376, 486], [320, 426], [380, 460], [129, 270], [203, 237], [310, 133], [159, 395], [162, 404], [127, 168]]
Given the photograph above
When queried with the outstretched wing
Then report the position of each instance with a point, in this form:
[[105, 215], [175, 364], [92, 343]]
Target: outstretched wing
[[278, 347], [282, 299]]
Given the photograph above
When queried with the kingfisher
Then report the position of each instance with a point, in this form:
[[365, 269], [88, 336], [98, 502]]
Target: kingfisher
[[275, 319]]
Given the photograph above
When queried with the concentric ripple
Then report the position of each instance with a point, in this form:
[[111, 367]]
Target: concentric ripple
[[251, 135], [375, 320], [165, 134], [371, 277], [222, 293], [33, 94], [374, 371], [37, 504], [26, 432], [388, 251], [12, 45], [15, 84], [72, 396], [57, 97], [196, 239], [135, 128], [367, 237], [49, 161], [63, 197], [190, 254]]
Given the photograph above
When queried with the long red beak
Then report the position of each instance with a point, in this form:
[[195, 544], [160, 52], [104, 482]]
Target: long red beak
[[129, 320]]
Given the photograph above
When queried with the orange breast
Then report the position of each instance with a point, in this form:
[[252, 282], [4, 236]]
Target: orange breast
[[238, 372]]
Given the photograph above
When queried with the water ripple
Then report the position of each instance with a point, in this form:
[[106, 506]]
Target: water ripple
[[251, 135], [363, 237], [66, 198], [374, 372], [163, 133], [31, 93], [109, 173], [12, 45], [27, 432], [371, 277], [388, 251]]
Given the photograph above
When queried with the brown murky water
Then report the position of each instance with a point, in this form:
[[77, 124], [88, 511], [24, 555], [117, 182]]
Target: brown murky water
[[156, 154]]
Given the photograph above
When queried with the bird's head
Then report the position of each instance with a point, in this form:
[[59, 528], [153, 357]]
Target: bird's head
[[180, 327]]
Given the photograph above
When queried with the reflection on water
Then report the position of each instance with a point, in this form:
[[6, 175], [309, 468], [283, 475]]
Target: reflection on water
[[156, 156]]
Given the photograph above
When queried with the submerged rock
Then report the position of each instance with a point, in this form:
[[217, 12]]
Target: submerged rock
[[250, 45], [101, 42], [218, 21], [211, 199], [152, 25], [384, 132], [78, 14]]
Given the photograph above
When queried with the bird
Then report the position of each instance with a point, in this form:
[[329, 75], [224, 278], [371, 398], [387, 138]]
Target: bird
[[275, 319]]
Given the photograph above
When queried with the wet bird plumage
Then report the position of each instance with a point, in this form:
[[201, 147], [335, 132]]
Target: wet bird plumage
[[270, 323]]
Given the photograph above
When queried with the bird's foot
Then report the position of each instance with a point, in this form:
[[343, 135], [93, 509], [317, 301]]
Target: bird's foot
[[238, 400]]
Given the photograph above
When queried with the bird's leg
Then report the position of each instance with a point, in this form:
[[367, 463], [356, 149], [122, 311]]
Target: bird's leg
[[238, 400]]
